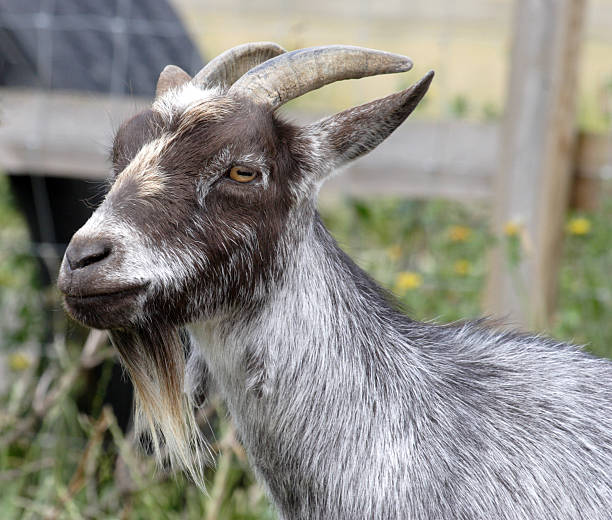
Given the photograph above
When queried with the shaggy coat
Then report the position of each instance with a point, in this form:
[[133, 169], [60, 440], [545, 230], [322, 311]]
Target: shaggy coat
[[347, 408]]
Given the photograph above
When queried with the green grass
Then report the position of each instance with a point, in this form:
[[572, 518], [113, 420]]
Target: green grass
[[20, 297], [58, 462]]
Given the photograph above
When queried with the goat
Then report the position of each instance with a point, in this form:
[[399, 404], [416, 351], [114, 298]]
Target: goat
[[347, 408]]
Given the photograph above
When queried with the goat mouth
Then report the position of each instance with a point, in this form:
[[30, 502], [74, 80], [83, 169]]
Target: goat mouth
[[104, 309], [102, 295]]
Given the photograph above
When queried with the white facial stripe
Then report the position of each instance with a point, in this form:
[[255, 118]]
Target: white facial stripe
[[144, 170]]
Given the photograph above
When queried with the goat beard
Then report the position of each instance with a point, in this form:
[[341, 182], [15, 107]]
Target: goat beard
[[164, 411]]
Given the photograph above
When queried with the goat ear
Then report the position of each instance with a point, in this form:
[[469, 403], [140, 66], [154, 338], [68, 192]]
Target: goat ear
[[350, 134], [171, 77]]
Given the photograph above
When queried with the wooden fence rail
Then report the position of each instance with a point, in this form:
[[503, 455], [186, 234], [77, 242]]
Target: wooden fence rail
[[69, 135]]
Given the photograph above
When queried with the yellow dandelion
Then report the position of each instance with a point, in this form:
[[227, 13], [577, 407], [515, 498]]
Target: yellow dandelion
[[408, 280], [579, 226], [394, 252], [459, 233], [462, 267], [512, 228], [18, 362]]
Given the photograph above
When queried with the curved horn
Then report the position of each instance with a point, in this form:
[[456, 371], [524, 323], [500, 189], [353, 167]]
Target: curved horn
[[285, 77], [171, 77], [226, 68]]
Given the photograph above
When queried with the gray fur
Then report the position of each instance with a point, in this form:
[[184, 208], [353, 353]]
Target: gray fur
[[347, 408], [360, 412]]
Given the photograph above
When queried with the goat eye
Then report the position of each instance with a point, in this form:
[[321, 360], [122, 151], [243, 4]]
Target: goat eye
[[242, 174]]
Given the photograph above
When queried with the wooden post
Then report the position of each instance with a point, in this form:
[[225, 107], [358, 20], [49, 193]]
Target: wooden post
[[536, 151]]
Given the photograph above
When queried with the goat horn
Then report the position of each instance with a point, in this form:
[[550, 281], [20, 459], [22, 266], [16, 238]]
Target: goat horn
[[226, 68], [286, 77], [171, 77]]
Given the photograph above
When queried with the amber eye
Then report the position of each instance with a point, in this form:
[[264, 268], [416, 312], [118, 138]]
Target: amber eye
[[242, 174]]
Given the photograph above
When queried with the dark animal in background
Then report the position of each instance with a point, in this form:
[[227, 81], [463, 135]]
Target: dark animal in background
[[346, 407]]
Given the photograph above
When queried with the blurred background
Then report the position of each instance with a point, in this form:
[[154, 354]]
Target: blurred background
[[494, 198]]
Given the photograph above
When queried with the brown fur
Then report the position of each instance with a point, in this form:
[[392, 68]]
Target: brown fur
[[227, 240]]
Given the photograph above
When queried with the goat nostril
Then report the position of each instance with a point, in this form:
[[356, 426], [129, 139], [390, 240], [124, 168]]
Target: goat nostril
[[80, 255]]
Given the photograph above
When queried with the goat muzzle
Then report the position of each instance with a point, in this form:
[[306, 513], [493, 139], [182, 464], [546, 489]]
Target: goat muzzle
[[88, 281]]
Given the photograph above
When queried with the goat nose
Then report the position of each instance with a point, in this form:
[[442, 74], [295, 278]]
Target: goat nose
[[81, 254]]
